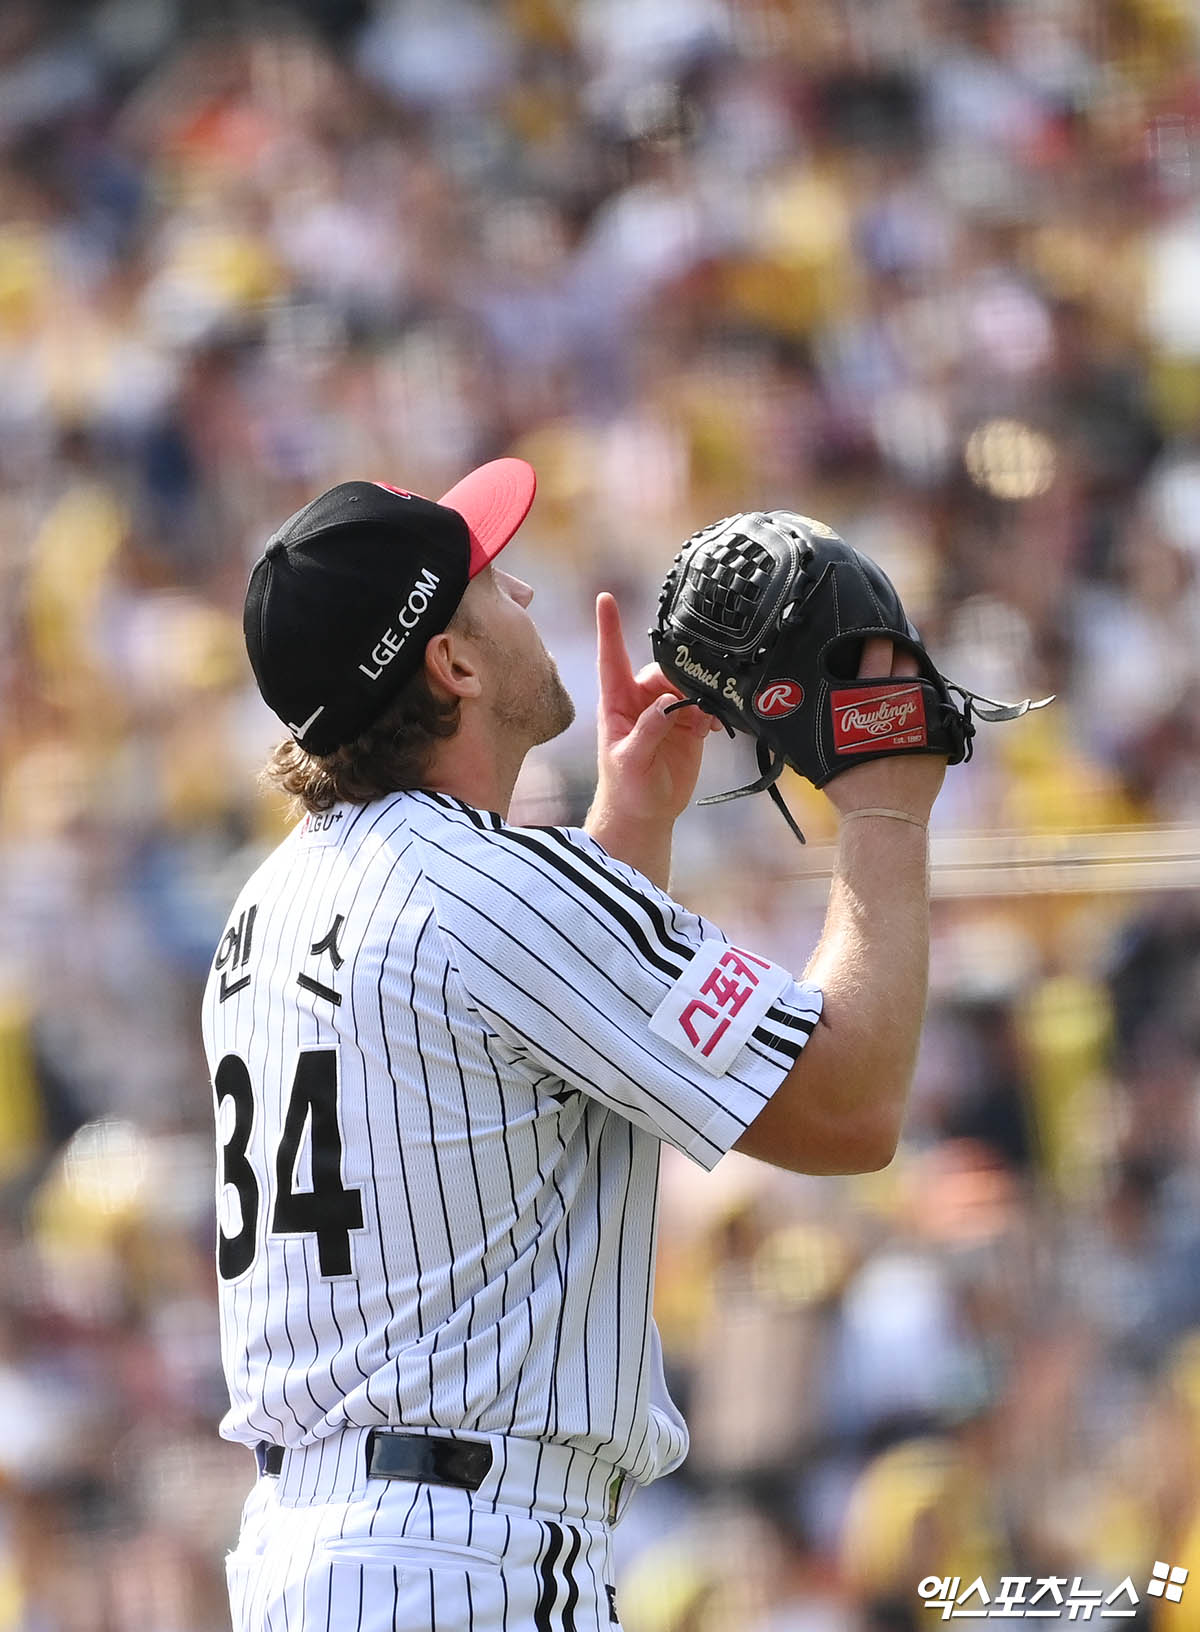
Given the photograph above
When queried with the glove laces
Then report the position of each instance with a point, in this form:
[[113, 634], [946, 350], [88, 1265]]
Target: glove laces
[[771, 763]]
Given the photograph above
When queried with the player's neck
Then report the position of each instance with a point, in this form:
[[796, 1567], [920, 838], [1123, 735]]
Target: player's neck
[[474, 765]]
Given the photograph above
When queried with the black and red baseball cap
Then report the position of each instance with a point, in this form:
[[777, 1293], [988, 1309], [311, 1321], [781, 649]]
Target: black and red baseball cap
[[347, 593]]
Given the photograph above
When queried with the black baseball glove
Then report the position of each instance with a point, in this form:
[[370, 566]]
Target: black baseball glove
[[761, 622]]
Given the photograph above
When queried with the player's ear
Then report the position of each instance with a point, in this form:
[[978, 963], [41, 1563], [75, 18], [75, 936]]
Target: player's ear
[[452, 665]]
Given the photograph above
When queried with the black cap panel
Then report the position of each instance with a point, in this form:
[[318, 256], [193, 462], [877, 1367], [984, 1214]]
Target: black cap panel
[[342, 603]]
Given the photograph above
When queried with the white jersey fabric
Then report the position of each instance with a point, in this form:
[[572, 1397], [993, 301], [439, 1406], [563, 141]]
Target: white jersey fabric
[[445, 1052]]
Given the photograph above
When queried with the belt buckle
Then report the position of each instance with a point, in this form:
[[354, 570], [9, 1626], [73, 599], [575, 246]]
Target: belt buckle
[[615, 1486]]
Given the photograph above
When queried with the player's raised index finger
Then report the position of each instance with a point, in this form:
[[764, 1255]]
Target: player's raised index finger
[[612, 658]]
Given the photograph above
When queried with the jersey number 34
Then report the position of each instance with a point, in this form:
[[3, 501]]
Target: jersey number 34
[[328, 1210]]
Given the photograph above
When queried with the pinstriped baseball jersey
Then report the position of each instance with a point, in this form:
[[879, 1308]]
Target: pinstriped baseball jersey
[[445, 1052]]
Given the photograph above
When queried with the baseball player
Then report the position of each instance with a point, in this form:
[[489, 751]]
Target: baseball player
[[445, 1052]]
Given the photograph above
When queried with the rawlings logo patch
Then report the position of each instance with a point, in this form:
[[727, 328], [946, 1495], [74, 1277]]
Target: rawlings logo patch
[[866, 717], [779, 698]]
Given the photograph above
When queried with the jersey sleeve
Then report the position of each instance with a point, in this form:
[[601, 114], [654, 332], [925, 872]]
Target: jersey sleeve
[[587, 970]]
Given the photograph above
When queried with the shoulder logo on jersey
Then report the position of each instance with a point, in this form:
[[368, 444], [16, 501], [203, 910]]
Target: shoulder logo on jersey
[[321, 827], [712, 1009]]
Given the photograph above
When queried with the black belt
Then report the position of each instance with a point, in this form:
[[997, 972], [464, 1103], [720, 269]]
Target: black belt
[[426, 1458]]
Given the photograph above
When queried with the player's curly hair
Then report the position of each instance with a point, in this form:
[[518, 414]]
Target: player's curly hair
[[390, 756]]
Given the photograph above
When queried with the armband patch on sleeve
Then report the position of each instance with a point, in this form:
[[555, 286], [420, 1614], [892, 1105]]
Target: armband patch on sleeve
[[714, 1006]]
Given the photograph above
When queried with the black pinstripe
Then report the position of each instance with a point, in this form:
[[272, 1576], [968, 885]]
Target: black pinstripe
[[270, 1417], [598, 1580], [374, 1179], [549, 1589], [415, 1238], [437, 1169], [364, 1376], [462, 1083], [587, 1306], [572, 1599], [612, 1438], [281, 1100], [560, 1270], [656, 908], [503, 1582]]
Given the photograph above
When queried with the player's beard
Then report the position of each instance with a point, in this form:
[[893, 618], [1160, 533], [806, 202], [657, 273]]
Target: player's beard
[[528, 702], [537, 707]]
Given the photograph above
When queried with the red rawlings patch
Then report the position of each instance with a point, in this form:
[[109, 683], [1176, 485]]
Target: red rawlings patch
[[865, 717], [779, 698]]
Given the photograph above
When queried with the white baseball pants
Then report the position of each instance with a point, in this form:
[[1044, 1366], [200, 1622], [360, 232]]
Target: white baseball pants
[[325, 1549]]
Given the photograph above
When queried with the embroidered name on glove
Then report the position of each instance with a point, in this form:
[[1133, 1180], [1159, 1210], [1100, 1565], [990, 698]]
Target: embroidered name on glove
[[714, 1006]]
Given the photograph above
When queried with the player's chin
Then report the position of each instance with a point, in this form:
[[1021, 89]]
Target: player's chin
[[550, 708], [558, 715]]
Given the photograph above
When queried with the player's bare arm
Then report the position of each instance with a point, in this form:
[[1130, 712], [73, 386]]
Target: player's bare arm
[[840, 1108]]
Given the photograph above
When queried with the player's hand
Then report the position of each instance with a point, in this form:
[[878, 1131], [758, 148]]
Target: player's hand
[[908, 782], [648, 760]]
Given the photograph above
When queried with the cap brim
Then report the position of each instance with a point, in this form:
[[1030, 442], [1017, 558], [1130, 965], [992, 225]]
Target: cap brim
[[493, 501]]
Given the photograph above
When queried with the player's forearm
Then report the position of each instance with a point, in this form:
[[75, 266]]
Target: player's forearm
[[644, 844], [840, 1107], [872, 964]]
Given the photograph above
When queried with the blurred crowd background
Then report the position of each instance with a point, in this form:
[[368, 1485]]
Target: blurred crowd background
[[926, 269]]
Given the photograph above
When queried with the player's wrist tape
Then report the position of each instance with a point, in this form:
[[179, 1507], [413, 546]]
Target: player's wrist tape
[[880, 810]]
